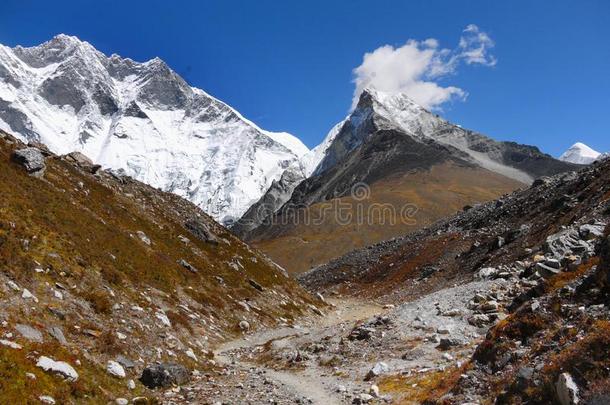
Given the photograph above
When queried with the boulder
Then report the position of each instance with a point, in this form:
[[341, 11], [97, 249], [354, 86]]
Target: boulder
[[31, 159], [567, 390], [29, 333], [479, 320], [164, 375], [361, 333], [447, 343], [487, 273], [378, 369], [188, 266], [57, 333], [201, 231], [256, 285], [79, 159], [546, 271], [58, 367], [115, 369]]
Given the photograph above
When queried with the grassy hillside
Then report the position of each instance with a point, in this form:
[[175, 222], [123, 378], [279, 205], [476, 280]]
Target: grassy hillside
[[110, 262], [428, 195]]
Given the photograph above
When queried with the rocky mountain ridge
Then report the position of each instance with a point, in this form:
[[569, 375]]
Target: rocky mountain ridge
[[403, 154]]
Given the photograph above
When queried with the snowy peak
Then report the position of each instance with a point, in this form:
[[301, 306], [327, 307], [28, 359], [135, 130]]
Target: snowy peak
[[581, 154], [144, 119]]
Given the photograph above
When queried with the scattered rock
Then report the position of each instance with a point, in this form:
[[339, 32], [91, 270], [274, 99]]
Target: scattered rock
[[125, 362], [160, 315], [59, 367], [363, 399], [10, 344], [188, 266], [256, 285], [244, 326], [46, 399], [13, 286], [189, 353], [447, 343], [143, 237], [115, 369], [57, 333], [29, 333], [27, 295], [164, 375], [378, 369]]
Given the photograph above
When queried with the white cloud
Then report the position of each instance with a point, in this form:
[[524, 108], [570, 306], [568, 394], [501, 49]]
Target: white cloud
[[415, 67]]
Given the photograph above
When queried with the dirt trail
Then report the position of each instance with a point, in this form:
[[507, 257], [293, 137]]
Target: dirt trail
[[308, 383]]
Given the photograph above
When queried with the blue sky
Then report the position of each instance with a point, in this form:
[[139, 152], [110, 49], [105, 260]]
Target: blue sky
[[288, 65]]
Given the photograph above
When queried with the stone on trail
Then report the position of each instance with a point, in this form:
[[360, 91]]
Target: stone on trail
[[164, 375], [378, 369]]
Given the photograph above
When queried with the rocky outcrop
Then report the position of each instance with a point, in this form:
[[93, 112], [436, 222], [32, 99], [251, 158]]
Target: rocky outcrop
[[31, 159]]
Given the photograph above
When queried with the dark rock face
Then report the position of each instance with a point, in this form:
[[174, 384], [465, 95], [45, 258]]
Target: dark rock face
[[134, 110], [64, 89], [261, 211], [17, 120], [31, 159], [105, 101], [164, 88], [164, 375]]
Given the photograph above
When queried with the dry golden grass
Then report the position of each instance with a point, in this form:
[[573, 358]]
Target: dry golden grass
[[83, 232], [442, 191], [420, 388]]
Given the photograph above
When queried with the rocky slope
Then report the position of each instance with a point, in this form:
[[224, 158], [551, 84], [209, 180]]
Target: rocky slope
[[403, 156], [144, 119], [103, 277], [533, 266], [504, 303]]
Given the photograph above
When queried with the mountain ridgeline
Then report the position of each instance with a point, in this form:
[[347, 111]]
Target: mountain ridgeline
[[404, 155], [143, 119]]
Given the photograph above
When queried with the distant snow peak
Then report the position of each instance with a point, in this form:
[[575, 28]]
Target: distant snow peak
[[142, 118], [580, 153]]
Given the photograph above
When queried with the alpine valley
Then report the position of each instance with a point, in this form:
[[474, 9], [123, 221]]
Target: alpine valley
[[156, 247]]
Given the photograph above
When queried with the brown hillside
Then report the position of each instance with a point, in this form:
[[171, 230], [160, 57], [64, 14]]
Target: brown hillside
[[122, 269], [427, 196]]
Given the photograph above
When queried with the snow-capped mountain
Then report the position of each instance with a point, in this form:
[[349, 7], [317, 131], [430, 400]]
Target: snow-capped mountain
[[581, 154], [405, 155], [142, 118], [378, 111]]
